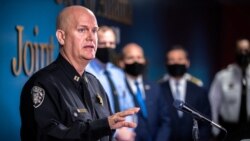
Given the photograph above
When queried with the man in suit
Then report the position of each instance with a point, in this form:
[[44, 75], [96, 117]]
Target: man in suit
[[179, 87], [153, 121], [187, 76]]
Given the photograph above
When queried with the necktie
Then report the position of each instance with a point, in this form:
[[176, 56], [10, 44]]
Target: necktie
[[140, 100], [177, 91], [114, 92], [86, 95], [178, 95], [243, 110]]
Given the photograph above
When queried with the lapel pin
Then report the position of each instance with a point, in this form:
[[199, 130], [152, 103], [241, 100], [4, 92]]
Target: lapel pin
[[99, 99], [147, 87], [76, 78]]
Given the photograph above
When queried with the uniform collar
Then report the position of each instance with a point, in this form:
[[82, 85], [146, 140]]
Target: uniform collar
[[181, 81], [132, 80], [69, 70], [99, 66]]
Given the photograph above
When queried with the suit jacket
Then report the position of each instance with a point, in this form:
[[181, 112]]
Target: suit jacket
[[181, 127], [156, 126]]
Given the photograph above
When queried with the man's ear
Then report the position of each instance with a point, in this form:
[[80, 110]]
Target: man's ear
[[60, 35], [121, 64]]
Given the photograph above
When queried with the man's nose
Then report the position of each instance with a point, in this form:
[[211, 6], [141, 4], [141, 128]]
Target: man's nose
[[91, 36]]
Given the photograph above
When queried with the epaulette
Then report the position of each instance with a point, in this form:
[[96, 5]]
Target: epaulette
[[196, 81]]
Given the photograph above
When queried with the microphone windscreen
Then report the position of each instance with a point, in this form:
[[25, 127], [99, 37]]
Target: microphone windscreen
[[178, 104]]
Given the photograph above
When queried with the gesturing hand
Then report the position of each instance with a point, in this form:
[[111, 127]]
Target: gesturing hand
[[117, 120], [125, 134]]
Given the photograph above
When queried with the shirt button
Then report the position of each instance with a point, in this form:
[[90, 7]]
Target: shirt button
[[75, 114]]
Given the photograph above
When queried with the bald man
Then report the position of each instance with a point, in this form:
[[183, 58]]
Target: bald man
[[62, 102], [153, 119]]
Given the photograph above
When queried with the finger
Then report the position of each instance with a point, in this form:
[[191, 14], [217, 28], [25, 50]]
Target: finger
[[136, 109], [124, 124], [119, 119], [129, 112], [129, 124]]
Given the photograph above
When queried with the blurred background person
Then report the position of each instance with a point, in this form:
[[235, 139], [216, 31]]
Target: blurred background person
[[111, 77], [187, 75], [179, 87], [153, 120], [230, 97]]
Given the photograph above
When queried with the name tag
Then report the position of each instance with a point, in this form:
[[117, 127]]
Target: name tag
[[83, 110]]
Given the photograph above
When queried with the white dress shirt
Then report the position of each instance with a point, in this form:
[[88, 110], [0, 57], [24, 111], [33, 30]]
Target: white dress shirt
[[132, 85], [182, 87], [118, 77]]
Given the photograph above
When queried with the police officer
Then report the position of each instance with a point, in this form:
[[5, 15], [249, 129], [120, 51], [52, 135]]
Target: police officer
[[63, 102], [230, 96], [111, 77]]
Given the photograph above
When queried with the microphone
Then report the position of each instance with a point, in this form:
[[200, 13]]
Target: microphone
[[182, 106]]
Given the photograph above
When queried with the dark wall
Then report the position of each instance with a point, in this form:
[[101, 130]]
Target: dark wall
[[235, 24], [195, 26], [207, 29], [146, 30]]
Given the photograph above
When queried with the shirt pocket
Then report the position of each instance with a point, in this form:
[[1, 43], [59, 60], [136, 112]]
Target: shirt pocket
[[230, 92]]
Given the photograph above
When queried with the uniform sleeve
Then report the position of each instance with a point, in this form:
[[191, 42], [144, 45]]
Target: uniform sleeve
[[53, 120], [92, 130], [215, 98]]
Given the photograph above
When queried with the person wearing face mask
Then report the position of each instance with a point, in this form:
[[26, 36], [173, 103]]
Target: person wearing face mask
[[153, 120], [106, 45], [230, 98], [177, 86], [111, 77], [187, 75]]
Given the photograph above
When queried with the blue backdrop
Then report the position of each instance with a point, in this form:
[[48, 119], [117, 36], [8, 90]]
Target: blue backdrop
[[28, 13]]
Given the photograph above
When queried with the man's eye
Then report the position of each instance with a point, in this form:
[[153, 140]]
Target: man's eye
[[95, 30], [82, 29], [101, 43]]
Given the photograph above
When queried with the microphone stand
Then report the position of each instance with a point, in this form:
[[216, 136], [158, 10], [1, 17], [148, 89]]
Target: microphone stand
[[181, 106], [195, 131]]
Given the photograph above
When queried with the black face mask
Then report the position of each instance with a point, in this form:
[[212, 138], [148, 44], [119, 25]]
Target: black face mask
[[242, 59], [105, 54], [135, 69], [176, 70]]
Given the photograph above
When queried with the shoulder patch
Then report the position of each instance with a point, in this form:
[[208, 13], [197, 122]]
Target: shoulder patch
[[38, 95]]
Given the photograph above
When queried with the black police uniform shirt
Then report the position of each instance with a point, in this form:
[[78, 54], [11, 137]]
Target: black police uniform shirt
[[53, 106]]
